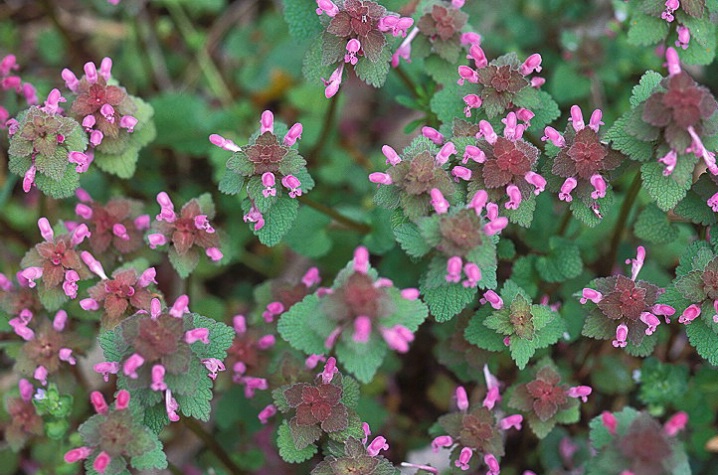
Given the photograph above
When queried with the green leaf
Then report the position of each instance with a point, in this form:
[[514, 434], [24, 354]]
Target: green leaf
[[477, 333], [411, 240], [567, 85], [288, 451], [154, 459], [278, 220], [308, 235], [662, 384], [122, 164], [231, 183], [653, 225], [196, 405], [667, 191], [350, 392], [694, 206], [524, 214], [221, 337], [361, 359], [302, 19], [645, 87], [704, 340], [305, 326], [52, 299], [546, 113], [312, 67], [183, 264], [447, 300], [442, 71], [374, 73], [646, 30], [64, 188], [448, 103], [562, 263], [601, 437], [627, 144]]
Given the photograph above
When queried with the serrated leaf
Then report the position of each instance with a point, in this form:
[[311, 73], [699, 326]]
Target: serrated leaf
[[704, 340], [411, 240], [653, 225], [446, 301], [627, 144], [308, 235], [361, 359], [546, 113], [197, 405], [288, 451], [441, 70], [231, 183], [562, 263], [122, 164], [645, 87], [447, 103], [221, 337], [52, 299], [63, 188], [374, 73], [303, 327], [350, 392], [278, 221], [302, 19], [155, 459], [524, 214], [646, 30], [477, 334], [667, 191], [183, 264]]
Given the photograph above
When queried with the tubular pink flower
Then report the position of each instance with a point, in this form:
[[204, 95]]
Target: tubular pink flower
[[120, 231], [202, 223], [595, 122], [392, 158], [577, 118], [88, 122], [397, 338], [493, 464], [147, 277], [473, 275], [171, 406], [292, 183], [93, 264], [128, 122], [470, 38], [197, 334], [251, 384], [397, 25], [108, 112], [294, 134], [75, 455], [410, 293], [459, 172], [671, 7], [453, 269], [590, 294], [568, 186], [684, 37], [382, 282], [537, 181], [8, 64], [106, 68], [472, 101], [673, 62], [579, 392], [129, 368], [445, 153], [254, 216], [609, 422], [122, 401], [492, 397], [313, 360], [669, 160], [52, 104], [158, 378], [467, 74], [266, 122], [327, 7], [31, 274], [45, 229], [96, 137], [487, 132], [266, 342], [462, 399], [511, 421], [478, 201], [510, 122], [404, 49], [40, 374], [377, 445], [474, 153], [180, 307], [311, 277], [142, 222], [362, 329], [239, 323], [621, 336], [699, 150], [439, 203], [689, 314], [532, 63], [353, 47], [79, 234], [713, 202], [214, 254], [5, 284], [478, 56], [22, 331], [65, 354], [651, 322], [332, 338], [266, 413], [514, 195], [106, 369], [89, 304], [496, 225], [167, 211], [80, 159], [433, 135], [83, 211], [361, 260], [441, 441], [525, 115], [493, 299], [464, 458], [98, 402], [715, 307], [537, 82], [156, 239], [599, 186], [331, 86], [26, 389], [223, 143], [155, 308], [675, 424], [29, 179], [214, 366], [330, 369], [637, 263], [380, 178]]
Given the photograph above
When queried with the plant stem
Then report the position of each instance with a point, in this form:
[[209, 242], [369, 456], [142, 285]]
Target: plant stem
[[406, 79], [212, 445], [350, 223], [621, 223], [564, 222], [326, 127]]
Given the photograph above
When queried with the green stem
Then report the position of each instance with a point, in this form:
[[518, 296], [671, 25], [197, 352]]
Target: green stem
[[212, 445], [326, 127], [211, 73], [564, 222], [406, 79], [361, 228], [621, 223]]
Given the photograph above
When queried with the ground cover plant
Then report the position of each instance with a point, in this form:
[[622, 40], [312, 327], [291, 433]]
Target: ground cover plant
[[363, 237]]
